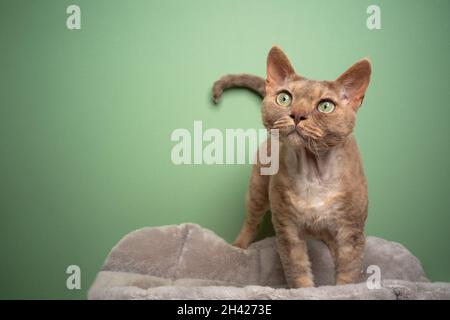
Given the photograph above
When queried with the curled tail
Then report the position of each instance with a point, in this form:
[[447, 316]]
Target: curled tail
[[254, 83]]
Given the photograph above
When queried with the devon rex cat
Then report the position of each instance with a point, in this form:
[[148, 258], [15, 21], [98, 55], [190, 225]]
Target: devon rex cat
[[320, 189]]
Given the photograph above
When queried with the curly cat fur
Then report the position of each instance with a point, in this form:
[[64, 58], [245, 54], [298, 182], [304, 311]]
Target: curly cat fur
[[320, 189]]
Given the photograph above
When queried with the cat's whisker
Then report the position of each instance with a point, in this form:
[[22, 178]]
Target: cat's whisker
[[284, 122], [281, 125], [317, 133]]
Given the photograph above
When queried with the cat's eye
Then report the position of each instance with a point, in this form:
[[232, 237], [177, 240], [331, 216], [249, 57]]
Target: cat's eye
[[326, 106], [284, 99]]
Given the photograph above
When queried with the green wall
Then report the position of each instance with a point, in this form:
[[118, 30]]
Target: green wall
[[86, 118]]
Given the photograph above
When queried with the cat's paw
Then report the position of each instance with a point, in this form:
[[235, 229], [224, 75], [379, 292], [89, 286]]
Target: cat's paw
[[303, 282], [240, 244], [342, 279]]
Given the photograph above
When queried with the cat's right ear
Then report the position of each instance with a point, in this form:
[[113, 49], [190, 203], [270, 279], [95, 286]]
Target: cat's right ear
[[278, 66], [354, 82]]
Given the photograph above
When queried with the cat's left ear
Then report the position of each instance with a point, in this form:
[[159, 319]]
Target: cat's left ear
[[353, 83]]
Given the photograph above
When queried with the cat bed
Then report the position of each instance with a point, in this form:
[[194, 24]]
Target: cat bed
[[188, 262]]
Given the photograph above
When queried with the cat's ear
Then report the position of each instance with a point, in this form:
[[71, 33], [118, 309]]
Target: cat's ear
[[353, 83], [278, 66]]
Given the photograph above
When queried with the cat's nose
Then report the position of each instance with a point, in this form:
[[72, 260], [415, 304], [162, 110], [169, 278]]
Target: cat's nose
[[297, 117]]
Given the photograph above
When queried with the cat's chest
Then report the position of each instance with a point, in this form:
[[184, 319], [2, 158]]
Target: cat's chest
[[308, 187], [313, 197]]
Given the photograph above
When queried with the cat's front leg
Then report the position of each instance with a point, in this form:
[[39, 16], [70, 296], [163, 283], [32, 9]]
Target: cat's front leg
[[257, 204], [293, 254], [350, 253]]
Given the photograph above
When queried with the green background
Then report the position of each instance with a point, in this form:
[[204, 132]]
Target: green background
[[86, 118]]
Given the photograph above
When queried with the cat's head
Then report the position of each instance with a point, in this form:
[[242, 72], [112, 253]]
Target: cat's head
[[309, 113]]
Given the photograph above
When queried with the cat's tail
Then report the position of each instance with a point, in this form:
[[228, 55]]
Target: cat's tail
[[254, 83]]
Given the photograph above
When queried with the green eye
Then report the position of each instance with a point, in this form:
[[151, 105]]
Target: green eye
[[284, 99], [326, 106]]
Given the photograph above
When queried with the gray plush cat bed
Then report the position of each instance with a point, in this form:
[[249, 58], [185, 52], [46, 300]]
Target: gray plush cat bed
[[189, 262]]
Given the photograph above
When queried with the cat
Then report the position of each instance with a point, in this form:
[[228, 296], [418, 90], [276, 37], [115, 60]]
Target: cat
[[320, 190]]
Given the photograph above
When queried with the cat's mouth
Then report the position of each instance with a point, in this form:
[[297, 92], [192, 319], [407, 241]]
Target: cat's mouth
[[298, 138], [296, 131], [295, 136]]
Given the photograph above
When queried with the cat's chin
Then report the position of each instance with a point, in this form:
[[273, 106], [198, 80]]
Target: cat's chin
[[294, 140]]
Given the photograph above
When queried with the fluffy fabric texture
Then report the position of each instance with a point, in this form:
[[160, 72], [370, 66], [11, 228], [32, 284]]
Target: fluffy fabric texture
[[189, 262]]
